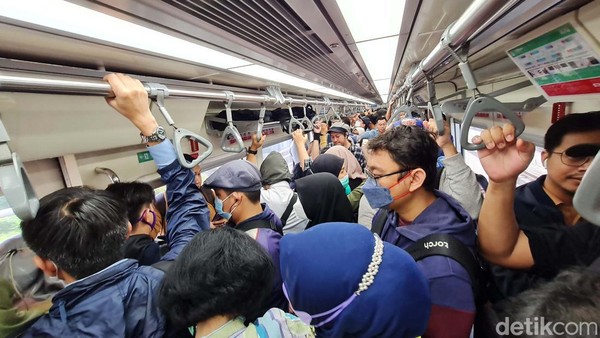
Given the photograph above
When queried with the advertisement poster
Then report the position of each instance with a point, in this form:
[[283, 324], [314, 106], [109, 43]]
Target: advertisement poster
[[560, 62]]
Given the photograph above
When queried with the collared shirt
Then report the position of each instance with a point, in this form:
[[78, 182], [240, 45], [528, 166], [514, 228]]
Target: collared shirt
[[570, 215]]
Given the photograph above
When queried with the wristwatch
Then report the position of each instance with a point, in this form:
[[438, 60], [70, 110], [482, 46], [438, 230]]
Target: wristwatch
[[250, 151], [158, 135]]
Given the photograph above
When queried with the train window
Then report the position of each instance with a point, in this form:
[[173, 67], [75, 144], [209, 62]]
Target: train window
[[535, 169], [9, 223]]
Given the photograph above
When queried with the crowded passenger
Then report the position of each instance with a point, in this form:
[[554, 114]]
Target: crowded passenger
[[228, 293], [78, 236], [401, 170], [535, 228], [137, 198], [346, 282], [237, 186], [339, 133], [276, 191]]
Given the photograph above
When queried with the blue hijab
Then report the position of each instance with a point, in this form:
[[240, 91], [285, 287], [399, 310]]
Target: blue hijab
[[323, 266]]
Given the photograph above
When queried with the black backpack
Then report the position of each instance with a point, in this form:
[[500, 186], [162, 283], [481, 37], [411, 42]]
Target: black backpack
[[448, 246]]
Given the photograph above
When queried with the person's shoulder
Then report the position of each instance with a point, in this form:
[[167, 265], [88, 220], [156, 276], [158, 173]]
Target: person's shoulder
[[275, 321]]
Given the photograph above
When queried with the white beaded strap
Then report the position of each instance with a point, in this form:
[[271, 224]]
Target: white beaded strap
[[369, 276]]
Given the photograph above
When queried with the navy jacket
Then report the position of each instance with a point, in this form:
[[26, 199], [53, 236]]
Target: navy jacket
[[121, 300]]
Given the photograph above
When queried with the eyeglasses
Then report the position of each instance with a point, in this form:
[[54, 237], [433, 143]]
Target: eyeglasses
[[370, 174], [578, 155]]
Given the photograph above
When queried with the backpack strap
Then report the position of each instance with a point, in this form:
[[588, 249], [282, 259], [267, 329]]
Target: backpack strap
[[258, 223], [288, 210], [163, 266], [438, 177], [447, 246], [379, 221]]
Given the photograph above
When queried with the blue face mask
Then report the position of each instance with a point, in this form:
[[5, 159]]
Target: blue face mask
[[219, 207], [377, 196], [381, 197], [345, 181]]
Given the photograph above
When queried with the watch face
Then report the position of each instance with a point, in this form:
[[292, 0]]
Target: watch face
[[161, 133]]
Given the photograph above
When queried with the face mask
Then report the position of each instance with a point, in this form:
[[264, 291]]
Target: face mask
[[219, 207], [378, 196], [345, 181]]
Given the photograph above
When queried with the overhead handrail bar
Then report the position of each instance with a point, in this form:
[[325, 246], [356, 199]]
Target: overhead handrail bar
[[587, 197], [157, 93], [112, 176], [29, 84], [477, 17], [14, 181], [306, 122], [231, 130], [293, 120]]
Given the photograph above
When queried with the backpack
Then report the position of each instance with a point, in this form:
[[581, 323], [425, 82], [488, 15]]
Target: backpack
[[448, 246]]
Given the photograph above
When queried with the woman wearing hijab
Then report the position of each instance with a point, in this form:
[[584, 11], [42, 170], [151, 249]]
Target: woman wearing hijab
[[346, 282], [323, 199], [220, 282], [352, 167], [328, 163]]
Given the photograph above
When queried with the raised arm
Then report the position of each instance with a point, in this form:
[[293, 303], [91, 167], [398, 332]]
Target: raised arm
[[299, 143], [504, 158], [457, 180], [187, 213], [257, 143]]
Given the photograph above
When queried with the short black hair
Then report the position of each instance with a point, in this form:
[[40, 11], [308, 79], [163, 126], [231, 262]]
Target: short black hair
[[381, 117], [81, 230], [346, 120], [135, 195], [572, 123], [220, 272], [253, 196], [410, 147]]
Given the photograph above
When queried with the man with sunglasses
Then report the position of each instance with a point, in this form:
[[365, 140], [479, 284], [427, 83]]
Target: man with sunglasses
[[401, 178], [534, 228]]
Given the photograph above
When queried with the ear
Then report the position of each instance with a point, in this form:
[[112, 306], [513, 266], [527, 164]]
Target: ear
[[544, 155], [418, 178], [46, 266], [129, 229]]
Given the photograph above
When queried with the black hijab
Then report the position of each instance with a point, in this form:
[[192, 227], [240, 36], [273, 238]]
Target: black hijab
[[323, 199], [328, 163]]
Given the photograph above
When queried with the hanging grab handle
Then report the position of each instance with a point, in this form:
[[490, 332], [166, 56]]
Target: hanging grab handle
[[434, 107], [261, 120], [306, 122], [157, 93], [14, 181], [484, 103], [17, 188], [293, 120], [231, 130]]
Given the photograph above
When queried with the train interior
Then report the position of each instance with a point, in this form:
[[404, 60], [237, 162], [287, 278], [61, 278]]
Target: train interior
[[304, 50]]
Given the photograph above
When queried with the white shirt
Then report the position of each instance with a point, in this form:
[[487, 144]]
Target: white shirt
[[277, 197]]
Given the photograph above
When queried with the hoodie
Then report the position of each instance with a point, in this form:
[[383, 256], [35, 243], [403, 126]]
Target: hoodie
[[452, 313]]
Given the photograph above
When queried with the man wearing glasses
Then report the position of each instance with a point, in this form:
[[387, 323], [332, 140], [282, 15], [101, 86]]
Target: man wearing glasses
[[535, 228], [401, 178]]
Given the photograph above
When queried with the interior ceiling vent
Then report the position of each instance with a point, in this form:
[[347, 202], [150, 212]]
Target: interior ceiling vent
[[273, 26]]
